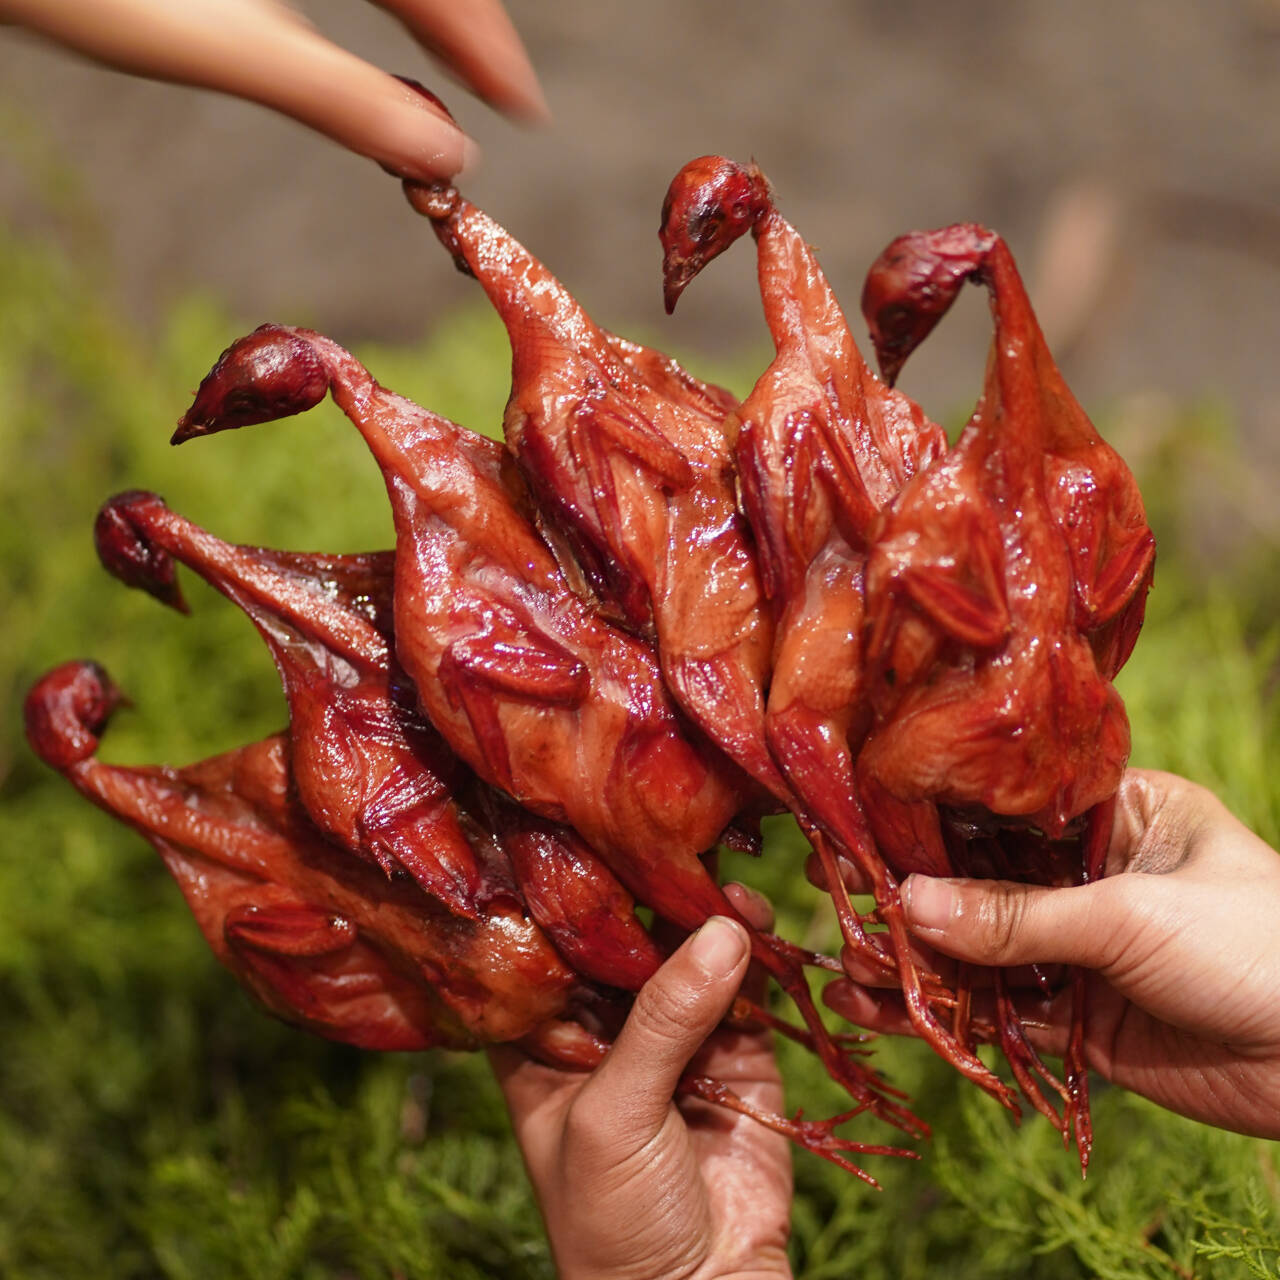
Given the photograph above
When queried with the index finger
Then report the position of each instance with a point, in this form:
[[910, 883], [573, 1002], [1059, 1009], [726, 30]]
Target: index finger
[[260, 50]]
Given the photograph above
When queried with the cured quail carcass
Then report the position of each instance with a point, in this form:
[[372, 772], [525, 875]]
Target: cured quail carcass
[[627, 457], [822, 447], [1004, 590]]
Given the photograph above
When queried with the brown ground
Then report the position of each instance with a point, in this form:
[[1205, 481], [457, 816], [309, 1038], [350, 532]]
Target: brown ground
[[1131, 153]]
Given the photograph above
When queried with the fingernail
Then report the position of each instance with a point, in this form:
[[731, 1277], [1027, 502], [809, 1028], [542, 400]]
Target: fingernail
[[928, 902], [458, 155], [470, 158], [853, 1002], [750, 901], [718, 946], [453, 154]]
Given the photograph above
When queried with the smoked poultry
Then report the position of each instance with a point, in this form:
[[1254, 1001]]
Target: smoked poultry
[[656, 614]]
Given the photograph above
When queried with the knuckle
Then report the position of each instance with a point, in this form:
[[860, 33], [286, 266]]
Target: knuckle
[[1158, 816], [1138, 914], [665, 1012], [1001, 919]]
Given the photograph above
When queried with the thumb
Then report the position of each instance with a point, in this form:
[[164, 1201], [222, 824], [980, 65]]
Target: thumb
[[675, 1011], [1000, 922]]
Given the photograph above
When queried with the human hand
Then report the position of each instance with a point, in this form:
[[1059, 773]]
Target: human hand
[[1183, 940], [264, 51], [634, 1186]]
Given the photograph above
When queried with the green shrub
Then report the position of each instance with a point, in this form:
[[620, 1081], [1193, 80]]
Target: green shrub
[[153, 1122]]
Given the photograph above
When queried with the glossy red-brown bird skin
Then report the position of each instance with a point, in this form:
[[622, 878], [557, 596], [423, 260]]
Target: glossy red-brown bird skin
[[371, 772], [328, 944], [578, 903], [526, 682], [627, 455], [822, 448], [582, 906], [1005, 587], [324, 940], [543, 699]]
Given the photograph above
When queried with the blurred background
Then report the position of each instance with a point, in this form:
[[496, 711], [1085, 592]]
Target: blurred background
[[1128, 153], [153, 1122]]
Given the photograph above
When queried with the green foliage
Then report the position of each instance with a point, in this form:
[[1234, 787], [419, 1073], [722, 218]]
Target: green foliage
[[153, 1122]]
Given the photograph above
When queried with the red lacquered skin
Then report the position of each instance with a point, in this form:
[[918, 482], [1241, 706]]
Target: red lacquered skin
[[524, 679], [1005, 588]]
